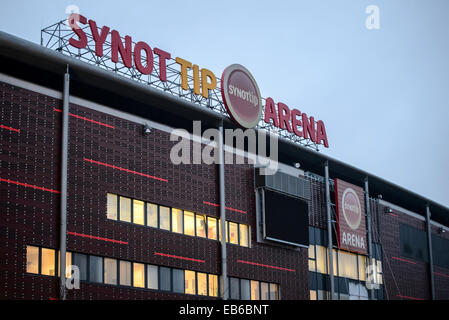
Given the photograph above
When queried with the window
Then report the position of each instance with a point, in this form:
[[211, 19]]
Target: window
[[139, 212], [189, 223], [233, 233], [264, 293], [110, 271], [347, 265], [68, 263], [112, 206], [200, 226], [362, 267], [164, 218], [321, 259], [48, 260], [177, 225], [125, 209], [190, 282], [274, 291], [95, 269], [165, 277], [138, 275], [80, 260], [245, 289], [178, 281], [152, 215], [32, 259], [243, 235], [254, 290], [213, 285], [202, 283], [153, 277], [125, 273], [234, 284], [312, 294], [413, 243], [312, 260], [212, 228]]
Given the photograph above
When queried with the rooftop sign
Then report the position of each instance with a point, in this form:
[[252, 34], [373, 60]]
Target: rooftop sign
[[239, 96]]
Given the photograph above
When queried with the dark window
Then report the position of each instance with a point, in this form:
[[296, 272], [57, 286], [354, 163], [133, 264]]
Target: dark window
[[165, 278], [413, 243], [440, 248], [235, 288], [96, 269], [80, 260], [178, 280]]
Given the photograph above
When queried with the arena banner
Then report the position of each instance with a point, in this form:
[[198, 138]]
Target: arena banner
[[351, 223]]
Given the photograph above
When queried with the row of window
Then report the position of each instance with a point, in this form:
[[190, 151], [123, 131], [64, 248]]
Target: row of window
[[175, 220], [111, 271], [244, 289]]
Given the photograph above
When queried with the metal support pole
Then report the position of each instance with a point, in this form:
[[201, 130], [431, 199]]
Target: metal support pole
[[329, 229], [224, 268], [368, 226], [63, 218], [429, 248]]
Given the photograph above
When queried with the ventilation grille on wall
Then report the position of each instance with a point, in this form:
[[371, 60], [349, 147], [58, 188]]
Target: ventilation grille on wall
[[291, 185]]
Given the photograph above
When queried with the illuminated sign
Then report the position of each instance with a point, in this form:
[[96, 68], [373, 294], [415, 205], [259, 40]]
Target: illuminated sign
[[350, 204], [239, 90]]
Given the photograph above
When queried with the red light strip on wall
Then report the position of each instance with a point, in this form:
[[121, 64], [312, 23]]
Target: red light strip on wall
[[265, 265], [177, 257], [9, 128], [29, 185], [229, 208], [404, 260], [442, 274], [86, 119], [393, 215], [96, 238], [407, 297], [123, 169]]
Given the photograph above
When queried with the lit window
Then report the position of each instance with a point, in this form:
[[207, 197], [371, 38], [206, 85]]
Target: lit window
[[255, 290], [139, 275], [153, 277], [234, 288], [312, 262], [151, 215], [32, 259], [177, 220], [233, 233], [274, 291], [200, 226], [48, 262], [178, 281], [312, 295], [80, 260], [189, 223], [125, 209], [213, 285], [139, 212], [110, 271], [112, 206], [321, 259], [68, 263], [202, 284], [264, 293], [125, 273], [379, 272], [190, 282], [347, 265], [164, 218], [245, 289], [165, 278], [362, 268], [212, 228], [95, 269], [243, 235]]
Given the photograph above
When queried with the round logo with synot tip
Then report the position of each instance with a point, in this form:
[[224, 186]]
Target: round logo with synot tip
[[352, 210], [241, 96]]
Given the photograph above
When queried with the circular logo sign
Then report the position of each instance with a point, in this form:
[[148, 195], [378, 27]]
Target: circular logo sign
[[241, 96], [352, 211]]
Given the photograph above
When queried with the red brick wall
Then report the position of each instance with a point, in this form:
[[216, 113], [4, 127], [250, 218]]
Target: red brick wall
[[32, 156]]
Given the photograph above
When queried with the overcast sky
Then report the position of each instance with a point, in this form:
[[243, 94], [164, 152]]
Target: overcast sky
[[383, 94]]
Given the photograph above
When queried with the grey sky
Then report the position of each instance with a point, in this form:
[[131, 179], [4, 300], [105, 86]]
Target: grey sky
[[383, 94]]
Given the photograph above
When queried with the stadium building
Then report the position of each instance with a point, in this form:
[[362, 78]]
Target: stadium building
[[86, 127]]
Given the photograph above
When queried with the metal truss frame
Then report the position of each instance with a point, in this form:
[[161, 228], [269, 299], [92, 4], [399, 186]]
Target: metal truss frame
[[56, 37]]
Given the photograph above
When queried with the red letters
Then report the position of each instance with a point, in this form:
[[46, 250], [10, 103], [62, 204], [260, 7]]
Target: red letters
[[308, 127], [284, 117], [125, 51], [296, 122], [98, 38], [270, 112], [138, 58], [321, 134], [73, 19], [163, 56]]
